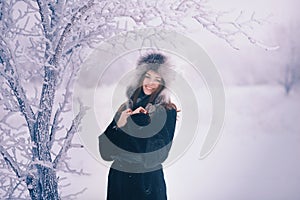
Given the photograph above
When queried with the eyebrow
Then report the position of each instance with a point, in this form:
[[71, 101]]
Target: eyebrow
[[154, 77]]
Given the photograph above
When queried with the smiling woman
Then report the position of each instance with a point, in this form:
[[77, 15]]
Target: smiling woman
[[151, 82], [139, 138]]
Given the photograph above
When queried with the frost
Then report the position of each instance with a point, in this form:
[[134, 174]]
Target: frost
[[43, 44], [30, 187]]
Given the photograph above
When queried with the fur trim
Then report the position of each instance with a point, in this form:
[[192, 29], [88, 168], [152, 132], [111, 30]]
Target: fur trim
[[158, 63]]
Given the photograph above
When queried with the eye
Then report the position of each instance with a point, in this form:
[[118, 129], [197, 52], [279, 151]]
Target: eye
[[158, 80], [147, 76]]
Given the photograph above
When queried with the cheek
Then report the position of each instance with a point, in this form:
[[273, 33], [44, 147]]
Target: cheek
[[156, 85], [145, 81]]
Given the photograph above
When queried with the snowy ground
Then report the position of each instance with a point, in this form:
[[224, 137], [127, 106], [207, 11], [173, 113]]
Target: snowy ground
[[257, 156]]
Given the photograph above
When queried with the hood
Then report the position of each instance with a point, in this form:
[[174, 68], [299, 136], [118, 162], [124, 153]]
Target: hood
[[158, 63]]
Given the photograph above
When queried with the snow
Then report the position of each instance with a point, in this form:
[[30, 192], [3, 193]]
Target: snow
[[257, 156]]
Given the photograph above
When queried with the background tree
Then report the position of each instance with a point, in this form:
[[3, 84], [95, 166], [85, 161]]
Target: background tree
[[290, 60], [43, 43]]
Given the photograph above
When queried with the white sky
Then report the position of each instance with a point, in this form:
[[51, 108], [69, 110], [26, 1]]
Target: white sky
[[251, 63]]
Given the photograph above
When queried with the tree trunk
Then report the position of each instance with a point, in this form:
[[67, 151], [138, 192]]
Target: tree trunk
[[42, 185], [42, 181]]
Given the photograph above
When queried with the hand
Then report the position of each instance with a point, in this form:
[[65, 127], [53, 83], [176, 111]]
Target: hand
[[140, 110], [123, 118]]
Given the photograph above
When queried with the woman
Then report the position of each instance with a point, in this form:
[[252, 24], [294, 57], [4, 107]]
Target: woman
[[139, 138]]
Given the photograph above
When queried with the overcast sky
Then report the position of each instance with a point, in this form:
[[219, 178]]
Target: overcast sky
[[250, 64]]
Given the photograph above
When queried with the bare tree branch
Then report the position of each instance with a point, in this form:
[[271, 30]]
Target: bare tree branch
[[10, 74], [13, 190], [59, 48], [11, 162], [69, 136], [75, 195], [60, 109]]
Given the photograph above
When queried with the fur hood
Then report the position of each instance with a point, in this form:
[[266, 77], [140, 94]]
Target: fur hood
[[158, 63]]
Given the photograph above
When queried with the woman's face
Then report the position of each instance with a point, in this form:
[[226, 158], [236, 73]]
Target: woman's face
[[151, 82]]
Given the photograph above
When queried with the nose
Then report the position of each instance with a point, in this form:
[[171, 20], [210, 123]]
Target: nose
[[151, 81]]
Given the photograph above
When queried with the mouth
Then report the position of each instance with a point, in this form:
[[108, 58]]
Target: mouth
[[148, 90]]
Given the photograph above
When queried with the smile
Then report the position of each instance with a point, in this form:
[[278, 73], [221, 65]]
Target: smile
[[149, 88]]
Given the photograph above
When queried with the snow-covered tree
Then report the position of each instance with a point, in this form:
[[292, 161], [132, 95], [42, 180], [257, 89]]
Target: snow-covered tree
[[42, 44], [290, 59]]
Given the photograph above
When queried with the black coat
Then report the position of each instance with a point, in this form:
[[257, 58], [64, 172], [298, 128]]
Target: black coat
[[136, 172]]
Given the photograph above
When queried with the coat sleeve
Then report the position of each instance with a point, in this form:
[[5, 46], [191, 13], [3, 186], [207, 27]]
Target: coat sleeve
[[115, 144], [107, 149], [106, 141]]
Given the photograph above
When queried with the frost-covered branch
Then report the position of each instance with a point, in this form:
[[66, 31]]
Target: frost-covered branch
[[10, 193], [45, 17], [67, 168], [9, 73], [74, 20], [75, 195], [69, 136], [62, 106], [11, 162], [229, 30]]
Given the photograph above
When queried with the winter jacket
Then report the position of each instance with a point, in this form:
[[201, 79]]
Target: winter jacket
[[137, 153]]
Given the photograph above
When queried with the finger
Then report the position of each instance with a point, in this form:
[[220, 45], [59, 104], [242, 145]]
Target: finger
[[136, 111], [127, 110], [143, 110], [139, 109]]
